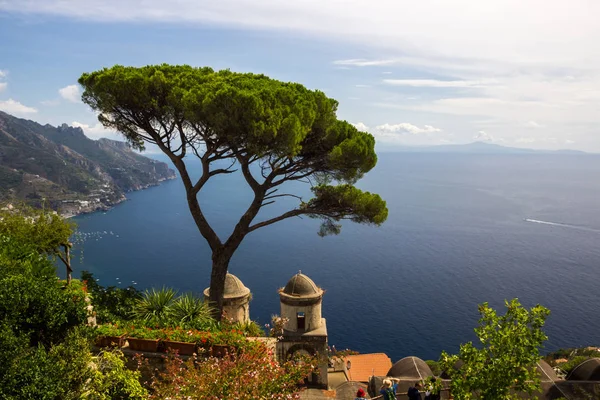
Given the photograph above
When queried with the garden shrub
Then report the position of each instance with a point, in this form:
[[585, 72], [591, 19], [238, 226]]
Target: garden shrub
[[251, 374], [111, 304]]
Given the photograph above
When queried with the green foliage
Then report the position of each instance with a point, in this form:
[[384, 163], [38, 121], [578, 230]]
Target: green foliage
[[250, 374], [112, 380], [37, 306], [276, 132], [572, 363], [111, 304], [333, 203], [154, 306], [250, 328], [434, 366], [574, 356], [44, 342], [110, 330], [293, 130], [432, 384], [190, 311], [144, 332], [187, 335], [506, 362], [45, 231], [37, 372]]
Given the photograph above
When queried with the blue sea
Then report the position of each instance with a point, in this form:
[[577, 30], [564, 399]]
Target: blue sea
[[462, 230]]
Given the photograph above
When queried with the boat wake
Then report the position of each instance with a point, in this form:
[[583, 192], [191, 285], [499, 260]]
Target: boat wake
[[581, 228]]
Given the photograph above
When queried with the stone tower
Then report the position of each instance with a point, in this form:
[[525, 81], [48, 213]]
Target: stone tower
[[236, 299], [305, 331]]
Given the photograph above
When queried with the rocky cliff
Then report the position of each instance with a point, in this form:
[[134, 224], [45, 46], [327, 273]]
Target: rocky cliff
[[67, 170]]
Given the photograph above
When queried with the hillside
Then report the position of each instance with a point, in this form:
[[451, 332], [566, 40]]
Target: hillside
[[73, 173]]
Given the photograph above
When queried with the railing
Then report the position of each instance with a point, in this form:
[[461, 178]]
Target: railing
[[444, 390]]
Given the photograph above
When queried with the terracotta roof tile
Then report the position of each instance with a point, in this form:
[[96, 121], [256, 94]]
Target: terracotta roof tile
[[365, 365]]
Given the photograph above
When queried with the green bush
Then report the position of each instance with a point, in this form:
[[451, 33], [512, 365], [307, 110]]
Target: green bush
[[112, 380], [44, 340], [154, 306], [111, 304], [572, 363], [37, 305], [36, 372], [250, 328], [191, 312]]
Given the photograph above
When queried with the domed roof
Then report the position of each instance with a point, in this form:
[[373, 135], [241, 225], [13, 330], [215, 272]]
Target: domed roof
[[546, 372], [302, 286], [589, 370], [234, 288], [410, 367]]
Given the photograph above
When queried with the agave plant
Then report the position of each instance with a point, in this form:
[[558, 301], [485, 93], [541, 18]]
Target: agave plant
[[154, 305], [189, 310]]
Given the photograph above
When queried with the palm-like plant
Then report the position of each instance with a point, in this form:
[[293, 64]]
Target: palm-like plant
[[154, 305], [189, 310]]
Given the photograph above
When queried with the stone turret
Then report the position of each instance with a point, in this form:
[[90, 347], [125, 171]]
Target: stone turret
[[305, 331], [236, 299], [301, 304]]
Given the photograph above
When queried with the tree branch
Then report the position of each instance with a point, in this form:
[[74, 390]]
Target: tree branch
[[245, 165], [293, 213], [282, 195], [203, 226]]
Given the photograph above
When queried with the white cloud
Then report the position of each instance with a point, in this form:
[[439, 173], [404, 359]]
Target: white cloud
[[3, 86], [406, 128], [525, 140], [361, 62], [361, 127], [362, 86], [97, 131], [569, 141], [3, 73], [540, 31], [403, 133], [533, 125], [70, 93], [483, 136], [434, 83], [544, 68], [15, 108]]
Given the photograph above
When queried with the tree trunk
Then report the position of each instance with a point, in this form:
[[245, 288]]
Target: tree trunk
[[217, 282], [67, 260], [68, 264]]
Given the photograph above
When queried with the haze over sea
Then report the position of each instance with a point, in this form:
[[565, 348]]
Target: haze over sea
[[462, 229]]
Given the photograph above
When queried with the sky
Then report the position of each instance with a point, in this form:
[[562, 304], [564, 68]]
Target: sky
[[520, 73]]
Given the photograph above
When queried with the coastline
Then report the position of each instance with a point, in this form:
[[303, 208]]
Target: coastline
[[82, 209]]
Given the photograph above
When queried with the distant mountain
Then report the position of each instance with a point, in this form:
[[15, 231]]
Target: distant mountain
[[71, 172], [479, 148]]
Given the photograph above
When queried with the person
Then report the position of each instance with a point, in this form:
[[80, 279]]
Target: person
[[389, 388], [413, 392], [360, 394], [430, 393]]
